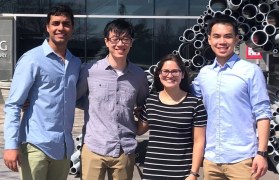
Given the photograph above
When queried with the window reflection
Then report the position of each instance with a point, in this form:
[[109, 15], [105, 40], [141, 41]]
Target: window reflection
[[171, 8], [32, 7], [77, 6], [120, 7], [142, 51], [154, 37], [77, 43], [95, 46], [167, 35], [31, 32], [196, 7]]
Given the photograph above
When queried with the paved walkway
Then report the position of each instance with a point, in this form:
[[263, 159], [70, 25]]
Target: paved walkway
[[6, 174]]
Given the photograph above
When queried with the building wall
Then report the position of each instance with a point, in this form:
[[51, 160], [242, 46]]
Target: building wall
[[158, 25]]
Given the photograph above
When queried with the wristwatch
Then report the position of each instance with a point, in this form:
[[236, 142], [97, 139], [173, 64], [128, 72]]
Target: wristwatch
[[194, 174], [263, 153]]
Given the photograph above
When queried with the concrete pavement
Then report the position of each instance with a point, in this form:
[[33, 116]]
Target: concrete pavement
[[6, 174]]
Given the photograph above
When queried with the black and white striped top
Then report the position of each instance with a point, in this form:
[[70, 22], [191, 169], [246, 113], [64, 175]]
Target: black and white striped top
[[170, 146]]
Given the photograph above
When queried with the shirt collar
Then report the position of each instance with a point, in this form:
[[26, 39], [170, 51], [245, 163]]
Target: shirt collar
[[48, 50], [46, 47], [230, 63], [108, 66]]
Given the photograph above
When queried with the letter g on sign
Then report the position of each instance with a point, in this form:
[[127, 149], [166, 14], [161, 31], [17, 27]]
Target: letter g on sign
[[3, 46]]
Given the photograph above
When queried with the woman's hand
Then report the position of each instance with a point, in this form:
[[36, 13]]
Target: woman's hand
[[191, 177]]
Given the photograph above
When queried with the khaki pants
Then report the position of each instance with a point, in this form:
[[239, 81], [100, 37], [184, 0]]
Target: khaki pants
[[94, 166], [228, 171], [35, 165]]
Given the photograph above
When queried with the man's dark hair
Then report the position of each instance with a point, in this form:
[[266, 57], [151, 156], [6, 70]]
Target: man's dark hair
[[184, 84], [223, 19], [119, 27], [61, 9]]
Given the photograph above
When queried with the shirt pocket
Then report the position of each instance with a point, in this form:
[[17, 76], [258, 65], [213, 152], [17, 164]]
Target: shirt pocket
[[99, 91], [127, 96]]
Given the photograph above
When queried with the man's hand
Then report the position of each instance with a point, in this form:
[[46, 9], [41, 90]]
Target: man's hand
[[137, 111], [259, 166], [11, 159]]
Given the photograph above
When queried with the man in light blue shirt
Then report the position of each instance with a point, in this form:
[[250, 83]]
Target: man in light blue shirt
[[41, 142], [238, 107]]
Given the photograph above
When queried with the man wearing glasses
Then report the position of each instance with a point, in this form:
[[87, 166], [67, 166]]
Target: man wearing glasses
[[114, 86]]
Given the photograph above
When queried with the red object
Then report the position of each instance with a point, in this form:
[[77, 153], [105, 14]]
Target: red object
[[250, 54]]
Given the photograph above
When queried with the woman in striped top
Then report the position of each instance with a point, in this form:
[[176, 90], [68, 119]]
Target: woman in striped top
[[176, 121]]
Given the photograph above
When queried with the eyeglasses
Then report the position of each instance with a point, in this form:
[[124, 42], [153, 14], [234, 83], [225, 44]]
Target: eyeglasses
[[175, 72], [124, 40]]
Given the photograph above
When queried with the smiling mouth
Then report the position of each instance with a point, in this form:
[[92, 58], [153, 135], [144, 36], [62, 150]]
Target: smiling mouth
[[170, 80], [61, 34], [223, 49], [121, 50]]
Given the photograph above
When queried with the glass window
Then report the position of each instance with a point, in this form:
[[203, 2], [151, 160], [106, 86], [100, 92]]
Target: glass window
[[179, 7], [135, 7], [171, 7], [120, 7], [31, 32], [77, 43], [167, 32], [31, 7], [154, 38], [38, 6], [77, 6], [95, 46], [146, 7], [197, 7], [142, 52], [7, 6]]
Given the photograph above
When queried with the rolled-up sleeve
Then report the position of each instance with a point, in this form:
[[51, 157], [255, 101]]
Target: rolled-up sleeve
[[259, 96], [195, 87]]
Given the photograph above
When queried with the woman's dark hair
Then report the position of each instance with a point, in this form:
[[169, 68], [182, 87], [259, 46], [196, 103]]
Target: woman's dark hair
[[223, 19], [119, 26], [61, 9], [184, 84]]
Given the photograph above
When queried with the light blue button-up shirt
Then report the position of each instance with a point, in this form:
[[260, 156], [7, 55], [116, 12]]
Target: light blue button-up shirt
[[50, 86], [235, 97]]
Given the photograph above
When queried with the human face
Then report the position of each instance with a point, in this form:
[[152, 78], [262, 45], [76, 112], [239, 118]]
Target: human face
[[171, 80], [222, 40], [120, 49], [60, 29]]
